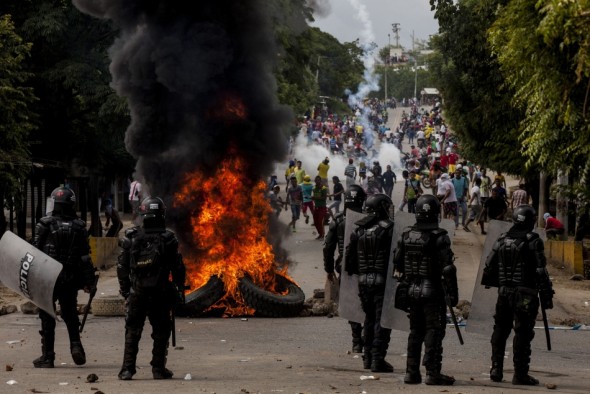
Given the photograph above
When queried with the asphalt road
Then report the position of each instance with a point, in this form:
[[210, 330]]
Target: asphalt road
[[297, 355]]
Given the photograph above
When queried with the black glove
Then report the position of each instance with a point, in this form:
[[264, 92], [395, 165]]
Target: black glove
[[546, 297]]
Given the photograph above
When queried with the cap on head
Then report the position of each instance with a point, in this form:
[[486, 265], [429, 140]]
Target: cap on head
[[546, 215], [307, 178], [444, 176]]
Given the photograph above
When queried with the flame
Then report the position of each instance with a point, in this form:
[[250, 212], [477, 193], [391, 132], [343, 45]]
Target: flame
[[229, 225]]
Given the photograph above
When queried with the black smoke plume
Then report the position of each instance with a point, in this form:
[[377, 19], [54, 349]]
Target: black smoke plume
[[321, 8], [186, 68]]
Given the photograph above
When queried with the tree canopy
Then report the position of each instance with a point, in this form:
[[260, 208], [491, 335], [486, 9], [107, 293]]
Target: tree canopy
[[16, 119]]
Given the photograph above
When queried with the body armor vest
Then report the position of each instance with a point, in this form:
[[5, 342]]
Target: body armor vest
[[418, 259], [64, 241], [374, 246], [517, 266]]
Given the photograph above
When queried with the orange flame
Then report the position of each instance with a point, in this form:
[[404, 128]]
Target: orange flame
[[229, 224]]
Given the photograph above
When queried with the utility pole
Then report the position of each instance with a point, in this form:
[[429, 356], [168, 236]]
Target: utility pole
[[395, 27], [317, 71], [415, 66]]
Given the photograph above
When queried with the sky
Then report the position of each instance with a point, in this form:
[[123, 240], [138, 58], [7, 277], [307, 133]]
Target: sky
[[341, 20]]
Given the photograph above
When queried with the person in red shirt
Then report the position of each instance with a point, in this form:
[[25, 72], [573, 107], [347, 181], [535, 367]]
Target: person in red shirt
[[453, 158], [444, 159], [553, 227]]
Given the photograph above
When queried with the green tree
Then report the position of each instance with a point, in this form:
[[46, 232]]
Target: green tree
[[544, 52], [16, 118], [477, 102], [81, 120]]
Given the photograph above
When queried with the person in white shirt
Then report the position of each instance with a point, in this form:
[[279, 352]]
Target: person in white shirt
[[135, 197], [475, 205], [448, 198]]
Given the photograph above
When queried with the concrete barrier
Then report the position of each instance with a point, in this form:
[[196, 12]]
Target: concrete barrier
[[568, 253], [103, 251]]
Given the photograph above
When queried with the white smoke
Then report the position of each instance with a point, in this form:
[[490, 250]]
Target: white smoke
[[370, 81]]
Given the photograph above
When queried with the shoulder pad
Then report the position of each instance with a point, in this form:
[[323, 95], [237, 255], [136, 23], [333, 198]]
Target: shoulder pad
[[366, 221], [532, 236], [168, 237], [47, 220], [79, 223], [125, 243], [131, 232], [385, 224], [438, 232]]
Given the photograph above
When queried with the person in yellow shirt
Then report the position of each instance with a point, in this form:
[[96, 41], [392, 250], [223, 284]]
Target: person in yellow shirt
[[323, 168], [289, 171]]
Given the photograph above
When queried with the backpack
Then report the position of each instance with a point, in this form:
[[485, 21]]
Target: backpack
[[147, 262]]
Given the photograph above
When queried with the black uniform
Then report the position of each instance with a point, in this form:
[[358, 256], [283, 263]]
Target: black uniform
[[425, 260], [335, 239], [64, 237], [368, 255], [145, 264], [516, 266]]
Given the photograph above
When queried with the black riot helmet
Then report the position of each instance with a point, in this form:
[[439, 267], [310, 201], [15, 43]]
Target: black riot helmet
[[524, 217], [153, 212], [64, 200], [379, 205], [427, 212], [354, 198]]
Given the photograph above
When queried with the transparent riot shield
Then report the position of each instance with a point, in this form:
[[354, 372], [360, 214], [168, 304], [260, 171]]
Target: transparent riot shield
[[28, 271], [483, 301], [349, 306]]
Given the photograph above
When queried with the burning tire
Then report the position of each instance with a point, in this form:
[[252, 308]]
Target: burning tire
[[269, 304], [205, 296]]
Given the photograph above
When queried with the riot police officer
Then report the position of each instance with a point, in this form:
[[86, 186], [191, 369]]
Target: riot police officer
[[517, 266], [64, 237], [354, 198], [425, 261], [368, 256], [148, 258]]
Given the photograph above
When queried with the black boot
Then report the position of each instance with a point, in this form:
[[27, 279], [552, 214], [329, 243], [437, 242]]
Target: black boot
[[367, 359], [496, 373], [47, 354], [357, 337], [126, 374], [45, 361], [524, 379], [162, 373], [435, 378], [413, 375], [378, 363], [78, 354]]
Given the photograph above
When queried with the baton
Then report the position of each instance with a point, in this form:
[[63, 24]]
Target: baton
[[453, 317], [546, 324], [87, 307]]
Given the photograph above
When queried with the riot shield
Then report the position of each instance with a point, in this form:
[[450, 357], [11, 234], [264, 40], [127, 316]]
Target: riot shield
[[349, 306], [390, 317], [483, 301], [28, 271]]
